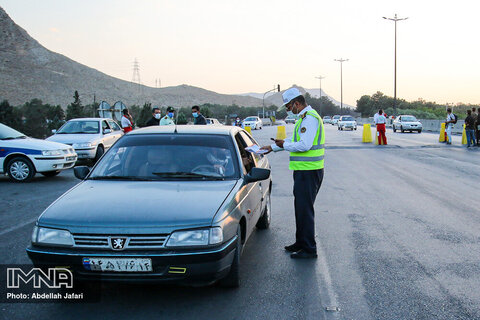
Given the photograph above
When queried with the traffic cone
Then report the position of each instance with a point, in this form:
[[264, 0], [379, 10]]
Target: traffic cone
[[249, 130], [367, 133], [464, 136], [443, 134], [281, 134]]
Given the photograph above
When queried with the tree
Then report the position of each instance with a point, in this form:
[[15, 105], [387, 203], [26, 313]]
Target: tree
[[10, 116], [181, 118], [75, 109], [36, 124]]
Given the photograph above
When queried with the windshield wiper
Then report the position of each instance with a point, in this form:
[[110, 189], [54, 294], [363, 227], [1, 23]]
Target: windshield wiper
[[133, 178], [181, 174], [13, 138]]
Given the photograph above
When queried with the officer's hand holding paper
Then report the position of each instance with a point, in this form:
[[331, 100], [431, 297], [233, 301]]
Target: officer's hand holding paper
[[256, 149]]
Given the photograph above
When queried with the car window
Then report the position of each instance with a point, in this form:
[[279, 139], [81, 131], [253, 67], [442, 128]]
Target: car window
[[156, 157], [251, 119], [250, 142], [247, 159], [409, 119], [7, 133], [347, 119], [84, 126], [105, 125], [114, 125]]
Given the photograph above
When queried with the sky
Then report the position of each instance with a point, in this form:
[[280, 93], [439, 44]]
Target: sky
[[238, 46]]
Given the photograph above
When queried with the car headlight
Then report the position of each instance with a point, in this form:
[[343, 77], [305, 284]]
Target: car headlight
[[201, 237], [47, 236], [82, 145], [52, 153]]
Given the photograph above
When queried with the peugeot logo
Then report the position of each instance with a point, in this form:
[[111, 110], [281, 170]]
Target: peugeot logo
[[118, 243]]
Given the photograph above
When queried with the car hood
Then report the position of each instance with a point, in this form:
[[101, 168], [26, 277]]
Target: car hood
[[74, 138], [102, 205], [33, 144]]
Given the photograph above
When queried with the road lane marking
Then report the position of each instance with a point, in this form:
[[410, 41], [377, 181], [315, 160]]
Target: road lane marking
[[18, 226]]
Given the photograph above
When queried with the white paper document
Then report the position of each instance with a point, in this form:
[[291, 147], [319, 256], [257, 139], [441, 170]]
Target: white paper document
[[255, 149]]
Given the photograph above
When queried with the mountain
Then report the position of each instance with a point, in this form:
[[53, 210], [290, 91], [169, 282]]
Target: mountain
[[28, 70], [276, 98]]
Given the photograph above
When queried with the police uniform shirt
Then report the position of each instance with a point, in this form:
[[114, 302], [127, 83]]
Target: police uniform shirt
[[307, 132], [166, 121]]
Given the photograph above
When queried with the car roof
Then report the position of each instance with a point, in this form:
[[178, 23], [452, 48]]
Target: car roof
[[191, 129], [90, 119], [406, 115]]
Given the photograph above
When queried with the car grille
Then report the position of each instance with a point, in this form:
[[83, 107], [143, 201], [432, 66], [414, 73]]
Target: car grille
[[134, 242]]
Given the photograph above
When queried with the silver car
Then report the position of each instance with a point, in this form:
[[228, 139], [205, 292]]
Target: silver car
[[165, 203], [406, 123], [90, 137]]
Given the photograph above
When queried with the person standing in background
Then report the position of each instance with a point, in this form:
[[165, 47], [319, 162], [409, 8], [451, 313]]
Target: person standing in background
[[380, 121], [127, 121], [168, 119], [449, 125], [470, 129], [475, 130], [155, 119], [198, 118]]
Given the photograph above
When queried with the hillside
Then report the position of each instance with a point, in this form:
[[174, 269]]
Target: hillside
[[28, 70]]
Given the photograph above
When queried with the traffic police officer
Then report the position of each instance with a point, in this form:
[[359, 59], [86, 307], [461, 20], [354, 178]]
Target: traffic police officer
[[168, 119], [306, 160]]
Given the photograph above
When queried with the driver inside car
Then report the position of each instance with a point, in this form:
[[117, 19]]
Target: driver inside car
[[158, 161], [221, 160]]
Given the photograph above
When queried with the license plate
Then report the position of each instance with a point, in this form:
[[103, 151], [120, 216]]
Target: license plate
[[118, 264]]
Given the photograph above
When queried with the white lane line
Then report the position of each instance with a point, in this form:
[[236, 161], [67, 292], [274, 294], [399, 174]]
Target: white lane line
[[18, 226]]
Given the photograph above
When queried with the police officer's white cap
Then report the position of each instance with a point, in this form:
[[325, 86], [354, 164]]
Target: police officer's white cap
[[289, 95]]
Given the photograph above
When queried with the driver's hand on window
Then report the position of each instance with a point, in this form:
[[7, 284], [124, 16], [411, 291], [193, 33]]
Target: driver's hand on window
[[268, 148]]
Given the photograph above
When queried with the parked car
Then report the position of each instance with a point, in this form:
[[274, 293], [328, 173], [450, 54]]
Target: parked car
[[253, 122], [290, 119], [22, 157], [335, 119], [153, 217], [327, 119], [213, 121], [347, 122], [90, 137], [406, 123]]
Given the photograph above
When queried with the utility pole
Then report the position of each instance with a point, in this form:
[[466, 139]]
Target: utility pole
[[136, 74], [341, 60], [263, 99], [395, 19], [320, 78]]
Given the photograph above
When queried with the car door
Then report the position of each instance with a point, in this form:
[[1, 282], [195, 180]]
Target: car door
[[107, 137], [117, 132], [251, 193]]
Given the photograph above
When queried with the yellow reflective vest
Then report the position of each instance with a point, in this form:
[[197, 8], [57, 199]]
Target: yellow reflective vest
[[313, 158]]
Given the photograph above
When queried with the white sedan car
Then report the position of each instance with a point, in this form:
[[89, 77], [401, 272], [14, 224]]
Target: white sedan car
[[335, 119], [21, 157], [90, 137], [213, 121], [253, 122], [406, 123], [347, 122]]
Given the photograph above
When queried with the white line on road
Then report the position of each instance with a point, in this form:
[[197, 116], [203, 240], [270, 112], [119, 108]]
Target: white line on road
[[18, 226]]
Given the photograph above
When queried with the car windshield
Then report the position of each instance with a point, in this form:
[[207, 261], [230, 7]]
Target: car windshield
[[326, 118], [409, 118], [251, 119], [7, 133], [336, 117], [86, 126], [169, 157], [348, 119]]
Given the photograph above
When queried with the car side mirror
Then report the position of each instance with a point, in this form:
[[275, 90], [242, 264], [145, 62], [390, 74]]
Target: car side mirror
[[257, 174], [106, 131], [54, 131], [81, 172]]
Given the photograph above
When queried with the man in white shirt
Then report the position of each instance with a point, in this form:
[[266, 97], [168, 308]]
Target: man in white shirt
[[127, 121], [380, 122], [449, 125]]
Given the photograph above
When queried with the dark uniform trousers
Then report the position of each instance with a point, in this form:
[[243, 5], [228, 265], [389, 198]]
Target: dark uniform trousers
[[306, 184]]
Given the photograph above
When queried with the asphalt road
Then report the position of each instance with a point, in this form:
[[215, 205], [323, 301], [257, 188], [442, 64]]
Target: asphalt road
[[397, 230]]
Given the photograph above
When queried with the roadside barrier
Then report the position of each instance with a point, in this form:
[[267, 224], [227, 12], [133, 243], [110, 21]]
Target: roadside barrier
[[249, 130], [464, 136], [281, 134], [367, 133], [442, 138]]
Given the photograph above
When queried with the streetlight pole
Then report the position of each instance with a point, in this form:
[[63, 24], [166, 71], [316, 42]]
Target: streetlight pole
[[341, 60], [320, 78], [263, 99], [395, 19]]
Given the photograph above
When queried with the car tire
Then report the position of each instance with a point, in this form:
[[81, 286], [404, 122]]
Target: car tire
[[99, 153], [232, 280], [394, 130], [401, 129], [50, 173], [264, 221], [420, 131], [20, 169]]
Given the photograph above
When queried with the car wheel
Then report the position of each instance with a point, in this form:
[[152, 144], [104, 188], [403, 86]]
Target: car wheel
[[20, 169], [99, 153], [401, 129], [394, 130], [232, 280], [264, 221], [50, 173], [420, 131]]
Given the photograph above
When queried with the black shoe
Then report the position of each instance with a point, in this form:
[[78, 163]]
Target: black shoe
[[292, 248], [302, 254]]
